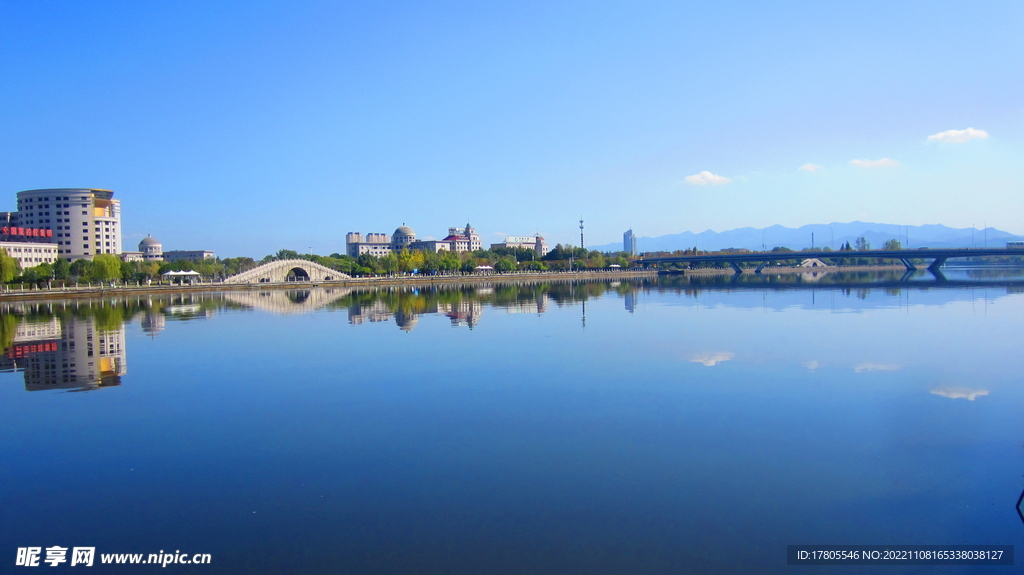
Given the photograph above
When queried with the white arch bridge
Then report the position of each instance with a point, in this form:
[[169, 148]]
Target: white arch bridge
[[287, 271]]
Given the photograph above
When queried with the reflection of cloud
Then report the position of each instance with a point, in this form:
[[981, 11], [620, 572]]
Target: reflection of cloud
[[883, 163], [704, 178], [812, 365], [958, 136], [712, 358], [867, 367], [959, 392]]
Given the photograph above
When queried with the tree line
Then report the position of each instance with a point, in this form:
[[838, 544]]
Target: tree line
[[109, 267]]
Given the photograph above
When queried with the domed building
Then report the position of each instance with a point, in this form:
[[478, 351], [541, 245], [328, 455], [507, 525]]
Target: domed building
[[402, 237], [152, 250]]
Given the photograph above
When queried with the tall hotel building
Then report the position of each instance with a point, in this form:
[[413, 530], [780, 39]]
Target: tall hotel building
[[629, 242], [84, 221]]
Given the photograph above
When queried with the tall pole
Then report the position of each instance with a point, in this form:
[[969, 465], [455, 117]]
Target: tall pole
[[582, 245]]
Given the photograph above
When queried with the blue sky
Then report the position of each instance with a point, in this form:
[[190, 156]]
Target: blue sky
[[246, 127]]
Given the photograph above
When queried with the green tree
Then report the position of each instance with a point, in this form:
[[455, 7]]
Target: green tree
[[105, 267], [505, 265], [863, 244], [61, 269], [44, 271], [892, 244], [9, 267], [80, 269]]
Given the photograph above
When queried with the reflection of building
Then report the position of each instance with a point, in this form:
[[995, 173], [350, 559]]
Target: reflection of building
[[374, 312], [465, 313], [630, 298], [153, 323], [83, 221], [37, 330], [80, 356], [536, 305], [406, 320]]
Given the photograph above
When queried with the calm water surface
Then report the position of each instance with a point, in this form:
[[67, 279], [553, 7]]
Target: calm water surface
[[666, 426]]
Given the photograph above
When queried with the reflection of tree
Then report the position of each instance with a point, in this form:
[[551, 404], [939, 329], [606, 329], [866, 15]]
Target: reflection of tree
[[109, 318], [8, 325]]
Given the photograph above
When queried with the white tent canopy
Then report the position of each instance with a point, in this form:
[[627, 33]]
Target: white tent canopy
[[174, 274]]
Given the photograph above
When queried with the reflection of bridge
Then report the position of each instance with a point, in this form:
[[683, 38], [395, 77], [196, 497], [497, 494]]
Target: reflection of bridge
[[285, 271], [938, 256], [287, 301]]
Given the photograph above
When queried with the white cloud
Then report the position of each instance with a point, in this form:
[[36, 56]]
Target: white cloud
[[869, 367], [710, 359], [704, 178], [811, 168], [812, 365], [883, 163], [959, 392], [958, 136]]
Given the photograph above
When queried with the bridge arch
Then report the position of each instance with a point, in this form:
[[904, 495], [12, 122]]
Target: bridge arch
[[287, 270]]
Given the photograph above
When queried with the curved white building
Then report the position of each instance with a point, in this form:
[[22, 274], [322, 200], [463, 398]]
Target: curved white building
[[85, 221]]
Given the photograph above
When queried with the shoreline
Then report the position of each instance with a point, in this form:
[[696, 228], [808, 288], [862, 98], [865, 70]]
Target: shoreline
[[94, 291], [374, 282]]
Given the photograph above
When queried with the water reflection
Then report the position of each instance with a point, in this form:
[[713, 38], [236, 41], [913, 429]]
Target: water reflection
[[80, 344], [960, 393], [64, 352], [452, 428]]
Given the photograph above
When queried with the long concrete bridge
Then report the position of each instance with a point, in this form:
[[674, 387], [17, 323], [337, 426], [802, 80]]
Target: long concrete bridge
[[938, 256], [287, 270]]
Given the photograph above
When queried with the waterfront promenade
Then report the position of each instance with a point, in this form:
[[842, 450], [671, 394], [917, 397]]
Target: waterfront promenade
[[397, 279]]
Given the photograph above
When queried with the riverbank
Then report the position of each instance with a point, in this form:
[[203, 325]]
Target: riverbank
[[403, 280], [792, 270]]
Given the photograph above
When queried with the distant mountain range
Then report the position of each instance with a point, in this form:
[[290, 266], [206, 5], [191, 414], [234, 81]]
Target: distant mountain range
[[825, 235]]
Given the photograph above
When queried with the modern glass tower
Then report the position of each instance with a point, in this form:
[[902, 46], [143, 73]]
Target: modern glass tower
[[629, 242]]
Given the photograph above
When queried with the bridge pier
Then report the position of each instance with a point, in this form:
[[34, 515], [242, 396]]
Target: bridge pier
[[936, 264], [910, 267], [736, 268], [760, 267]]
